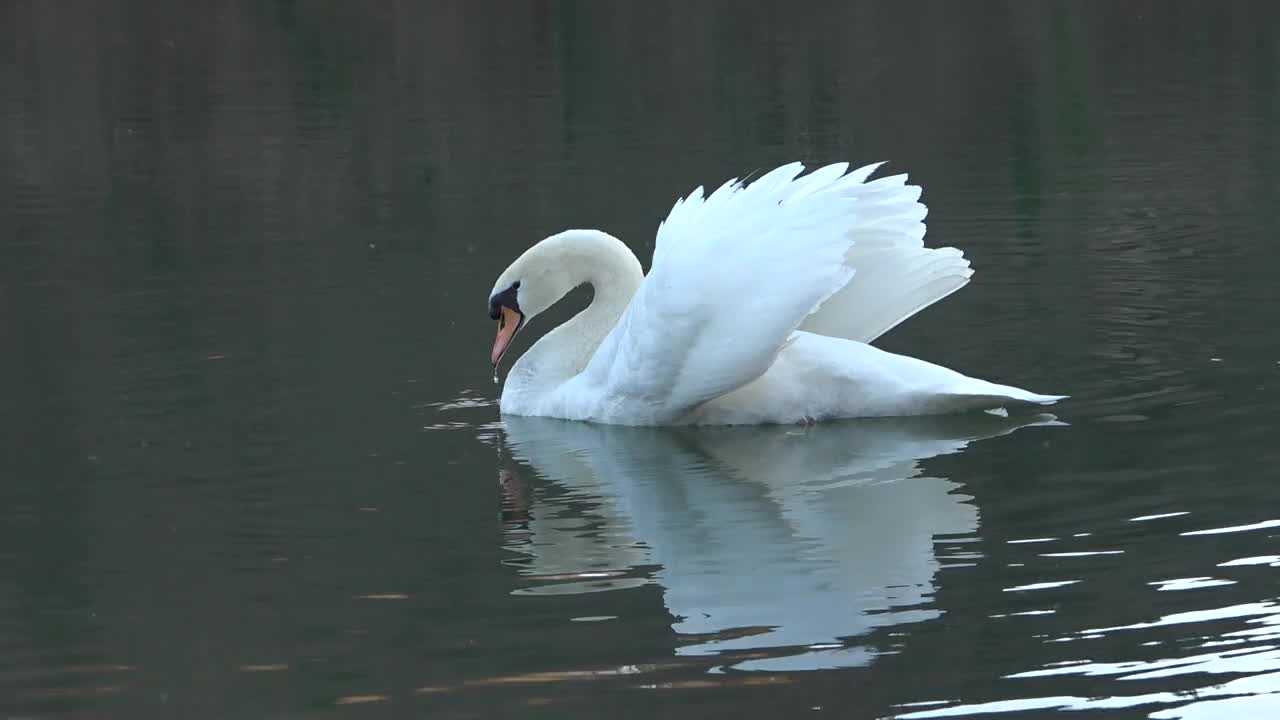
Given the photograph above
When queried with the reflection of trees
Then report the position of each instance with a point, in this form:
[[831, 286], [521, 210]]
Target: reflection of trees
[[198, 129], [350, 116]]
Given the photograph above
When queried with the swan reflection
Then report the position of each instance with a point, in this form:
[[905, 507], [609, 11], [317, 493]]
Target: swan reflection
[[761, 538]]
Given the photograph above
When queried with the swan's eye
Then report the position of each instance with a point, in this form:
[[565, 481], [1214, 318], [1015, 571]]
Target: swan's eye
[[506, 298]]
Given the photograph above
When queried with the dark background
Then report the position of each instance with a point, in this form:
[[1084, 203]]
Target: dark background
[[245, 249]]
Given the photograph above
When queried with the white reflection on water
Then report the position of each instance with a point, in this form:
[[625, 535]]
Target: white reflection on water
[[1272, 560], [761, 538], [1192, 583], [1245, 698], [1252, 656], [1264, 525]]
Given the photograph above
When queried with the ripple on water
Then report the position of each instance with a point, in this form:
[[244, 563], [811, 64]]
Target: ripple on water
[[1226, 657], [1272, 560], [1264, 525], [1194, 583], [1256, 691]]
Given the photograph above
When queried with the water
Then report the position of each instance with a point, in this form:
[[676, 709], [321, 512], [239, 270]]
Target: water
[[252, 460]]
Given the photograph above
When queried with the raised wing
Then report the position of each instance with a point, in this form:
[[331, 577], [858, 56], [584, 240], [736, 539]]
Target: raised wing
[[733, 275], [897, 276]]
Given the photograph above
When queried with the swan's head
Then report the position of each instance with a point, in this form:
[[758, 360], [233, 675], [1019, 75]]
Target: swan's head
[[506, 308], [547, 272], [533, 283]]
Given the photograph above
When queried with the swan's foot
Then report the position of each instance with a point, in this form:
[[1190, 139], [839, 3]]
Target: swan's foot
[[806, 421]]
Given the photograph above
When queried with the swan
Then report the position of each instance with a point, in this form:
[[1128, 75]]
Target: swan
[[760, 306]]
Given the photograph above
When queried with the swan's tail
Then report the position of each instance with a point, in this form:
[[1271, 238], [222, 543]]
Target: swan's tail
[[991, 397], [895, 275]]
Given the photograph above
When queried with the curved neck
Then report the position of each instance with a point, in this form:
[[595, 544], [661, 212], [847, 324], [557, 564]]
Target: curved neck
[[587, 257]]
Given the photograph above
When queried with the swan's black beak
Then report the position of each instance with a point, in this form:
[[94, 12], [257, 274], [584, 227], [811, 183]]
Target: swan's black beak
[[509, 323]]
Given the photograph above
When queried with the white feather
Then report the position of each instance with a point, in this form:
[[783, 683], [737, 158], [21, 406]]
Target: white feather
[[896, 275], [733, 276]]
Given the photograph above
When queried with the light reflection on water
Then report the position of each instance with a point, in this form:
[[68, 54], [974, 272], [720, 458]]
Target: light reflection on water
[[1255, 693], [1226, 659]]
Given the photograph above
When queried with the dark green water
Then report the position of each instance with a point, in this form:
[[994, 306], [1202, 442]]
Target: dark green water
[[252, 463]]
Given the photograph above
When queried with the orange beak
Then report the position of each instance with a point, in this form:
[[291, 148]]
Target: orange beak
[[509, 323]]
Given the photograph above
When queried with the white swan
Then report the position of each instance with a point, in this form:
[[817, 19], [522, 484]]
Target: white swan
[[759, 307]]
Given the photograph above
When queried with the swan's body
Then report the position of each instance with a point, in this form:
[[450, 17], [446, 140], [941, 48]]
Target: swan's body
[[759, 307]]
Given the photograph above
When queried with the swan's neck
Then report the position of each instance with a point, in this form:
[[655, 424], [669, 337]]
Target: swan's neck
[[594, 258]]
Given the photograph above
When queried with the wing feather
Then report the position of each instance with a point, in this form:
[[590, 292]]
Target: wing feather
[[734, 274], [737, 271], [897, 276]]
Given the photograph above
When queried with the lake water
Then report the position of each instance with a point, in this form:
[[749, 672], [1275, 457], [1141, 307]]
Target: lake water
[[252, 459]]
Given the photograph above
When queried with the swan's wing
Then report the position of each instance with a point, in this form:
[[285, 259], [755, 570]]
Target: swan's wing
[[897, 276], [733, 275]]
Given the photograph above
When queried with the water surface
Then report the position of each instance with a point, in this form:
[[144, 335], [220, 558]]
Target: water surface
[[253, 460]]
